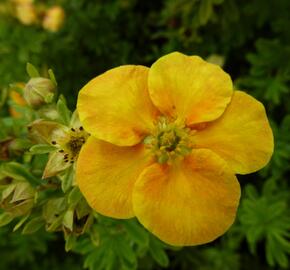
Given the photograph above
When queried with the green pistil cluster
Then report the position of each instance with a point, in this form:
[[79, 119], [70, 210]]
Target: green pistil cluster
[[71, 148], [169, 141]]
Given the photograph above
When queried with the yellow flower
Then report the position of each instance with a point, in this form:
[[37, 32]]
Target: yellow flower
[[17, 99], [66, 141], [21, 2], [165, 145], [53, 19], [26, 13]]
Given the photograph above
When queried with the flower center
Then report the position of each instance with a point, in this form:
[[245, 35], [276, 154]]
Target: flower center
[[169, 141], [72, 145], [75, 144]]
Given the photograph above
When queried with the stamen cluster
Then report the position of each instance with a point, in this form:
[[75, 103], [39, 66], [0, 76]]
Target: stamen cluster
[[169, 140], [71, 147]]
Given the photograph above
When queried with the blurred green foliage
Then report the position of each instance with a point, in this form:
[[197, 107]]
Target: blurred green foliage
[[254, 40]]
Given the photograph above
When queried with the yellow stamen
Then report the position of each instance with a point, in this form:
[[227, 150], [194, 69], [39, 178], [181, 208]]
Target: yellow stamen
[[169, 140]]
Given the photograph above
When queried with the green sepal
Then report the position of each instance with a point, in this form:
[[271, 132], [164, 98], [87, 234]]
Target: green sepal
[[5, 218], [32, 71], [68, 219], [70, 242], [56, 225], [33, 225], [19, 172], [20, 222], [67, 179], [95, 235], [74, 197], [52, 76], [63, 111], [41, 149]]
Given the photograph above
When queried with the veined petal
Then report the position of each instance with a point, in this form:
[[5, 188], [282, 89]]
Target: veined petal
[[189, 203], [189, 88], [55, 165], [242, 136], [44, 131], [106, 174], [115, 106], [75, 120]]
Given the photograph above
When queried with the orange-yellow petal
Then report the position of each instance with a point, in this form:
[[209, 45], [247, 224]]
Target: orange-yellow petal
[[189, 203], [115, 106], [106, 174], [189, 88], [242, 136]]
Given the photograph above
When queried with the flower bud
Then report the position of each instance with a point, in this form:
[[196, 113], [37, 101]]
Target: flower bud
[[216, 59], [53, 19], [17, 198], [26, 13], [39, 91]]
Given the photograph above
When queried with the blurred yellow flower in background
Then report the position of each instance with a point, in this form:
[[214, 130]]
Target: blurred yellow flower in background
[[165, 145], [21, 2], [53, 18], [26, 13], [30, 13], [17, 98]]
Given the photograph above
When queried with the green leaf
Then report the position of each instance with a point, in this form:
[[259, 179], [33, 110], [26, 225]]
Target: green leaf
[[7, 191], [33, 225], [18, 171], [67, 179], [205, 11], [49, 97], [41, 149], [5, 218], [266, 218], [54, 209], [157, 252], [109, 261], [95, 259], [124, 250], [52, 76], [32, 71], [20, 144], [70, 242], [23, 191], [138, 233], [20, 222], [3, 96], [63, 111], [74, 196], [68, 219], [95, 236], [55, 225]]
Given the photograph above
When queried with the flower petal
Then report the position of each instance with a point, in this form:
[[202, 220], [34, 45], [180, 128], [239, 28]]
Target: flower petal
[[189, 88], [242, 136], [189, 203], [106, 174], [55, 165], [43, 131], [115, 106]]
